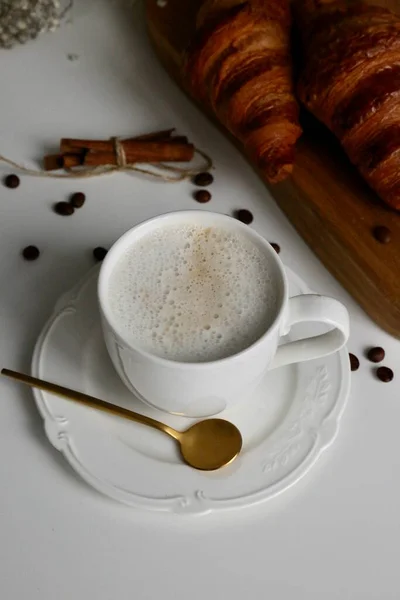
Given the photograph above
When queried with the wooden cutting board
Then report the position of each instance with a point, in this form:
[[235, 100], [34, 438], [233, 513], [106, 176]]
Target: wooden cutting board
[[326, 199]]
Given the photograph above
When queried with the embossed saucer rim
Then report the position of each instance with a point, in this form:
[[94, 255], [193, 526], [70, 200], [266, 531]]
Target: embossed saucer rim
[[274, 473]]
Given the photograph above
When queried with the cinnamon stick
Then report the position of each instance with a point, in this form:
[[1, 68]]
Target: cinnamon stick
[[68, 145], [72, 160], [53, 162], [164, 134], [151, 152]]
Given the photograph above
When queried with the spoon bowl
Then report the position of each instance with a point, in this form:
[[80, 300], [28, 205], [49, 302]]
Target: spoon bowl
[[211, 444]]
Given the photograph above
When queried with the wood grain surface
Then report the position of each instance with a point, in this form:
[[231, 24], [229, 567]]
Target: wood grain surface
[[326, 199]]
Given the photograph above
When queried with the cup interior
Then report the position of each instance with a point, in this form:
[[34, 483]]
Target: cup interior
[[199, 218]]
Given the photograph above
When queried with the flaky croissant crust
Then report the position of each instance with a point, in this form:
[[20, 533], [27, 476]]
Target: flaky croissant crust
[[350, 80], [239, 64]]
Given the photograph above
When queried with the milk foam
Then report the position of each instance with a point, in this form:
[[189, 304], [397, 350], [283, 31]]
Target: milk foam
[[192, 294]]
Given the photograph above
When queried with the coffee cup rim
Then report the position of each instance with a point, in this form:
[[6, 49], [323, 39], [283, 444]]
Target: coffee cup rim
[[192, 214]]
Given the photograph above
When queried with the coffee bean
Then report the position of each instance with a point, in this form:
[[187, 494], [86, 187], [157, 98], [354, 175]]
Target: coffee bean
[[99, 253], [30, 253], [64, 208], [385, 374], [276, 247], [78, 199], [202, 196], [245, 216], [12, 181], [354, 362], [382, 234], [203, 179], [376, 355]]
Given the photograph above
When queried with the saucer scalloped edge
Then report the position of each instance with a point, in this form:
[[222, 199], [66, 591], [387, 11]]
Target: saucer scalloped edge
[[291, 418]]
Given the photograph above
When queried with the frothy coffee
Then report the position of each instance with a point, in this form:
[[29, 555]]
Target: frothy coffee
[[191, 293]]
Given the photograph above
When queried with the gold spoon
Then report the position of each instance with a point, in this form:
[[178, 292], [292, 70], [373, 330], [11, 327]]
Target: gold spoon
[[207, 445]]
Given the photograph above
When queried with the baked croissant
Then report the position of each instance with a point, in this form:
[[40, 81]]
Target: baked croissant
[[239, 65], [350, 80]]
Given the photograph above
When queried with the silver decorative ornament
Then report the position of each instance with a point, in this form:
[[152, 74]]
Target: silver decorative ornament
[[23, 20]]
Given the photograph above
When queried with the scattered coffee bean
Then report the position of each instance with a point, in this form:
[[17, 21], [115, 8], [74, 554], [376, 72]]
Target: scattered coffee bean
[[12, 181], [99, 253], [382, 234], [78, 200], [202, 196], [376, 355], [64, 208], [30, 253], [385, 374], [245, 216], [276, 247], [203, 179], [354, 362]]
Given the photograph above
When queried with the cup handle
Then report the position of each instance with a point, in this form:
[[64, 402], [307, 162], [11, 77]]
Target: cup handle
[[311, 307]]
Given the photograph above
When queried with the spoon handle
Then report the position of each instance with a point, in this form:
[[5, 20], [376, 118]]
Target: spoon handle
[[91, 401]]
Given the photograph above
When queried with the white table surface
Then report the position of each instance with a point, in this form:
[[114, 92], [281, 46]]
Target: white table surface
[[333, 536]]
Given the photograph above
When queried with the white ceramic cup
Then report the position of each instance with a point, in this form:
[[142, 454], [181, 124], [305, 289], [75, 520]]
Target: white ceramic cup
[[206, 388]]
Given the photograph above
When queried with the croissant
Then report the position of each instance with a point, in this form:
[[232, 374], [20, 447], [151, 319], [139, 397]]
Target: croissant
[[239, 65], [350, 80]]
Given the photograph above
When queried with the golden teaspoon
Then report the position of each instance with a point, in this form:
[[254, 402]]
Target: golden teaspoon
[[207, 445]]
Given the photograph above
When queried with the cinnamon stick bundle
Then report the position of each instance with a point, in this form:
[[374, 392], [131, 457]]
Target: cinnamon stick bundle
[[68, 145], [154, 148]]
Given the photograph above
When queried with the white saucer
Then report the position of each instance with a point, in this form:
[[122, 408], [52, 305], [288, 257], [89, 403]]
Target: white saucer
[[290, 420]]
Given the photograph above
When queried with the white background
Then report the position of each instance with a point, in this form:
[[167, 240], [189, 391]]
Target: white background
[[333, 536]]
